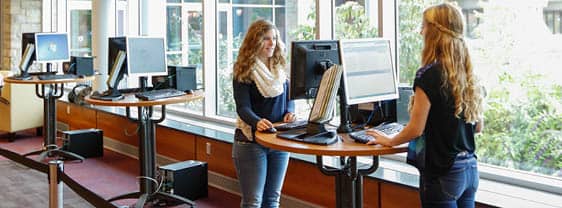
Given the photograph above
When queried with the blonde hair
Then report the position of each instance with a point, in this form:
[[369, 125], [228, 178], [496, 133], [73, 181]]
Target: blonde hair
[[443, 42], [251, 46]]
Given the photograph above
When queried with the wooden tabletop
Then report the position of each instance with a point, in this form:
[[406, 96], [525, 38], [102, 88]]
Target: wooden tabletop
[[130, 100], [35, 80], [344, 147]]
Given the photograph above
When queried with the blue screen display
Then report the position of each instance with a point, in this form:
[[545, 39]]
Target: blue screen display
[[52, 47]]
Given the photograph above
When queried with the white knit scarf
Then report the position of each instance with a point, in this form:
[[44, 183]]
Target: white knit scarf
[[269, 84]]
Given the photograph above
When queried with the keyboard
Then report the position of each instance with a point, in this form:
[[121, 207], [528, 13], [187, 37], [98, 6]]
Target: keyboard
[[390, 129], [159, 94], [295, 125], [323, 138], [57, 76]]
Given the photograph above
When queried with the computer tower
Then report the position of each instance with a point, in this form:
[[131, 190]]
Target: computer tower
[[85, 142], [182, 78], [79, 66], [187, 179]]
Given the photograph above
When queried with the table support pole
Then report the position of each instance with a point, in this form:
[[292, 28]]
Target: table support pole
[[348, 179]]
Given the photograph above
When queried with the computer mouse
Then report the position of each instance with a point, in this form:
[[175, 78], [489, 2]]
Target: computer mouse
[[189, 91], [270, 130]]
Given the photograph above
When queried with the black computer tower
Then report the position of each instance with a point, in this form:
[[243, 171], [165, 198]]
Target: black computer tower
[[79, 66], [182, 78], [85, 142], [187, 179]]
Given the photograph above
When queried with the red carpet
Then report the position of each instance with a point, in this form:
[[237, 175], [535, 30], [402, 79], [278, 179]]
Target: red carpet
[[110, 175]]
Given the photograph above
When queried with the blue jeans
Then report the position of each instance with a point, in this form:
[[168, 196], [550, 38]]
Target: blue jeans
[[457, 188], [261, 172]]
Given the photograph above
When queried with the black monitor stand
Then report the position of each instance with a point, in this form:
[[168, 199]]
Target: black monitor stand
[[143, 83], [345, 118]]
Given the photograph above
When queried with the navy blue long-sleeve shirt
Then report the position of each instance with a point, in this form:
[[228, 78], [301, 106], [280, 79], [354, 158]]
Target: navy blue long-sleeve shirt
[[251, 106]]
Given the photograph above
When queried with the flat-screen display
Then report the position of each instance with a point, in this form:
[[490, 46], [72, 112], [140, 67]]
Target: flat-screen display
[[52, 47], [146, 56], [309, 60], [369, 73]]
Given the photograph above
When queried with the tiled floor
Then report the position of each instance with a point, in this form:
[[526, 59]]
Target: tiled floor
[[110, 175]]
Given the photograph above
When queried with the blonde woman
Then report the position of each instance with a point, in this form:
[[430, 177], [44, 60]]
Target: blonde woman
[[447, 109], [260, 90]]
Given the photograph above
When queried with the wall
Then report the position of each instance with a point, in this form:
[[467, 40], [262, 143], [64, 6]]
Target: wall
[[18, 16]]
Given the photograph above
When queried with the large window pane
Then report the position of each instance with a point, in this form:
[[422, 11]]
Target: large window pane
[[184, 29], [173, 26], [356, 19], [517, 59], [81, 32], [295, 20]]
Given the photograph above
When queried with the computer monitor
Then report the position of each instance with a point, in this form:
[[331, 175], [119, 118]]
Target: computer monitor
[[117, 67], [28, 38], [146, 56], [27, 54], [321, 112], [52, 47], [309, 60], [369, 73]]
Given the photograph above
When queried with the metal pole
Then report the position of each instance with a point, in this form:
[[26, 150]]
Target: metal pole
[[55, 185]]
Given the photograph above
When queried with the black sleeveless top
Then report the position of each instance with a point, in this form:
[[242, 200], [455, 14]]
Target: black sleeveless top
[[445, 134]]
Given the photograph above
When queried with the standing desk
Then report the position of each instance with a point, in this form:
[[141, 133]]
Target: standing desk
[[348, 178], [50, 91], [147, 137]]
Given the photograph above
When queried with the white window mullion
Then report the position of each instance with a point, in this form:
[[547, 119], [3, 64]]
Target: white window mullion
[[210, 56], [325, 19]]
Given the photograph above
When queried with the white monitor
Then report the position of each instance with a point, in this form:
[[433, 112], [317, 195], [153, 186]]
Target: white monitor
[[146, 56], [369, 75], [52, 47]]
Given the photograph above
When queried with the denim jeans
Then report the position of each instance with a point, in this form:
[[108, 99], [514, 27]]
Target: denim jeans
[[457, 188], [261, 172]]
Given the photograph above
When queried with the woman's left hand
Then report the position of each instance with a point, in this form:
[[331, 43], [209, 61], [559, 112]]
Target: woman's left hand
[[380, 138], [289, 117]]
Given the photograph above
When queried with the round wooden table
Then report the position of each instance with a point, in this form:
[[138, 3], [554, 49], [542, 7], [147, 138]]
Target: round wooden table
[[147, 148], [50, 91], [348, 178]]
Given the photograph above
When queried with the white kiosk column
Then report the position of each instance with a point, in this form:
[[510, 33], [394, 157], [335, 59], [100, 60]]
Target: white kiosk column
[[103, 27]]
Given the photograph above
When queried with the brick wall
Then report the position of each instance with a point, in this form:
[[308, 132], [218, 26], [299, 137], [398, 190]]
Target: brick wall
[[18, 16]]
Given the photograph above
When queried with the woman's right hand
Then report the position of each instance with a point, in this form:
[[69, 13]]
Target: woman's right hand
[[264, 124]]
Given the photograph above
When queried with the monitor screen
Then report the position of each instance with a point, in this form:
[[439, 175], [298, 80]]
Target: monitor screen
[[369, 74], [52, 47], [146, 56], [309, 60]]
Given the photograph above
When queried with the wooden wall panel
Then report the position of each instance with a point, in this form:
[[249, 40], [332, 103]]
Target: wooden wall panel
[[114, 126], [175, 144], [306, 182], [62, 116], [370, 193], [220, 159], [80, 117], [393, 195]]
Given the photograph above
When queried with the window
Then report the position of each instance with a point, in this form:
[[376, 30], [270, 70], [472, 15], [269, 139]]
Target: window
[[356, 19], [80, 28], [293, 18], [184, 25], [514, 55]]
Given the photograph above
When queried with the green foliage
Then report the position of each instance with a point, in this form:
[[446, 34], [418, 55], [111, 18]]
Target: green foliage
[[409, 25], [352, 23], [525, 131]]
